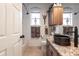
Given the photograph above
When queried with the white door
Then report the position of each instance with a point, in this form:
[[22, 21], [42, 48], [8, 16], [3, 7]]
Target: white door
[[10, 29]]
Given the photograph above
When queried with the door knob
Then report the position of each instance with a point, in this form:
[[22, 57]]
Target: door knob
[[22, 36]]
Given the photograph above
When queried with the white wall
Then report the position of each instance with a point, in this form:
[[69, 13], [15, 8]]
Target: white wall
[[26, 23], [43, 8], [26, 20], [75, 8], [75, 18]]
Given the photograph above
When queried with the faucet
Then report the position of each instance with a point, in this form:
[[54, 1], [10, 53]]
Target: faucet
[[75, 36]]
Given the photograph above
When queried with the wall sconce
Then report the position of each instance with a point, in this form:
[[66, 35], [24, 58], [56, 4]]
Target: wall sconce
[[76, 13], [44, 17], [27, 12]]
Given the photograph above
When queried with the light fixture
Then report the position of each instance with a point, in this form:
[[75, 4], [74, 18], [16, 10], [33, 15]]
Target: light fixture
[[44, 17], [76, 13], [26, 9], [57, 4]]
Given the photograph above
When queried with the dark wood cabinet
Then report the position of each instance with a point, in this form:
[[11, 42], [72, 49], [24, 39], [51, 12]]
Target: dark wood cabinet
[[35, 32], [68, 30], [50, 50]]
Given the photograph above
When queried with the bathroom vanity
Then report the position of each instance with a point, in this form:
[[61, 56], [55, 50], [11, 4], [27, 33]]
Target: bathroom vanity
[[54, 49]]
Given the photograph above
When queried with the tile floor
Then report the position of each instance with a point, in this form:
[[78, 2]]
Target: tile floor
[[34, 51]]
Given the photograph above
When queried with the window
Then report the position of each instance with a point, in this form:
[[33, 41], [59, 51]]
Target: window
[[35, 19], [67, 19], [35, 24]]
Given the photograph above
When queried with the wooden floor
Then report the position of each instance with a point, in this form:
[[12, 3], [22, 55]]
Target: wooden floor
[[34, 51]]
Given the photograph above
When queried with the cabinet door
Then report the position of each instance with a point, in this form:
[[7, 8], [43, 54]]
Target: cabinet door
[[68, 30], [50, 51], [57, 15], [35, 32], [60, 16]]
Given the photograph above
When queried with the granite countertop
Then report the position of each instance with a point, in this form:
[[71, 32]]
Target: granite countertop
[[65, 50]]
